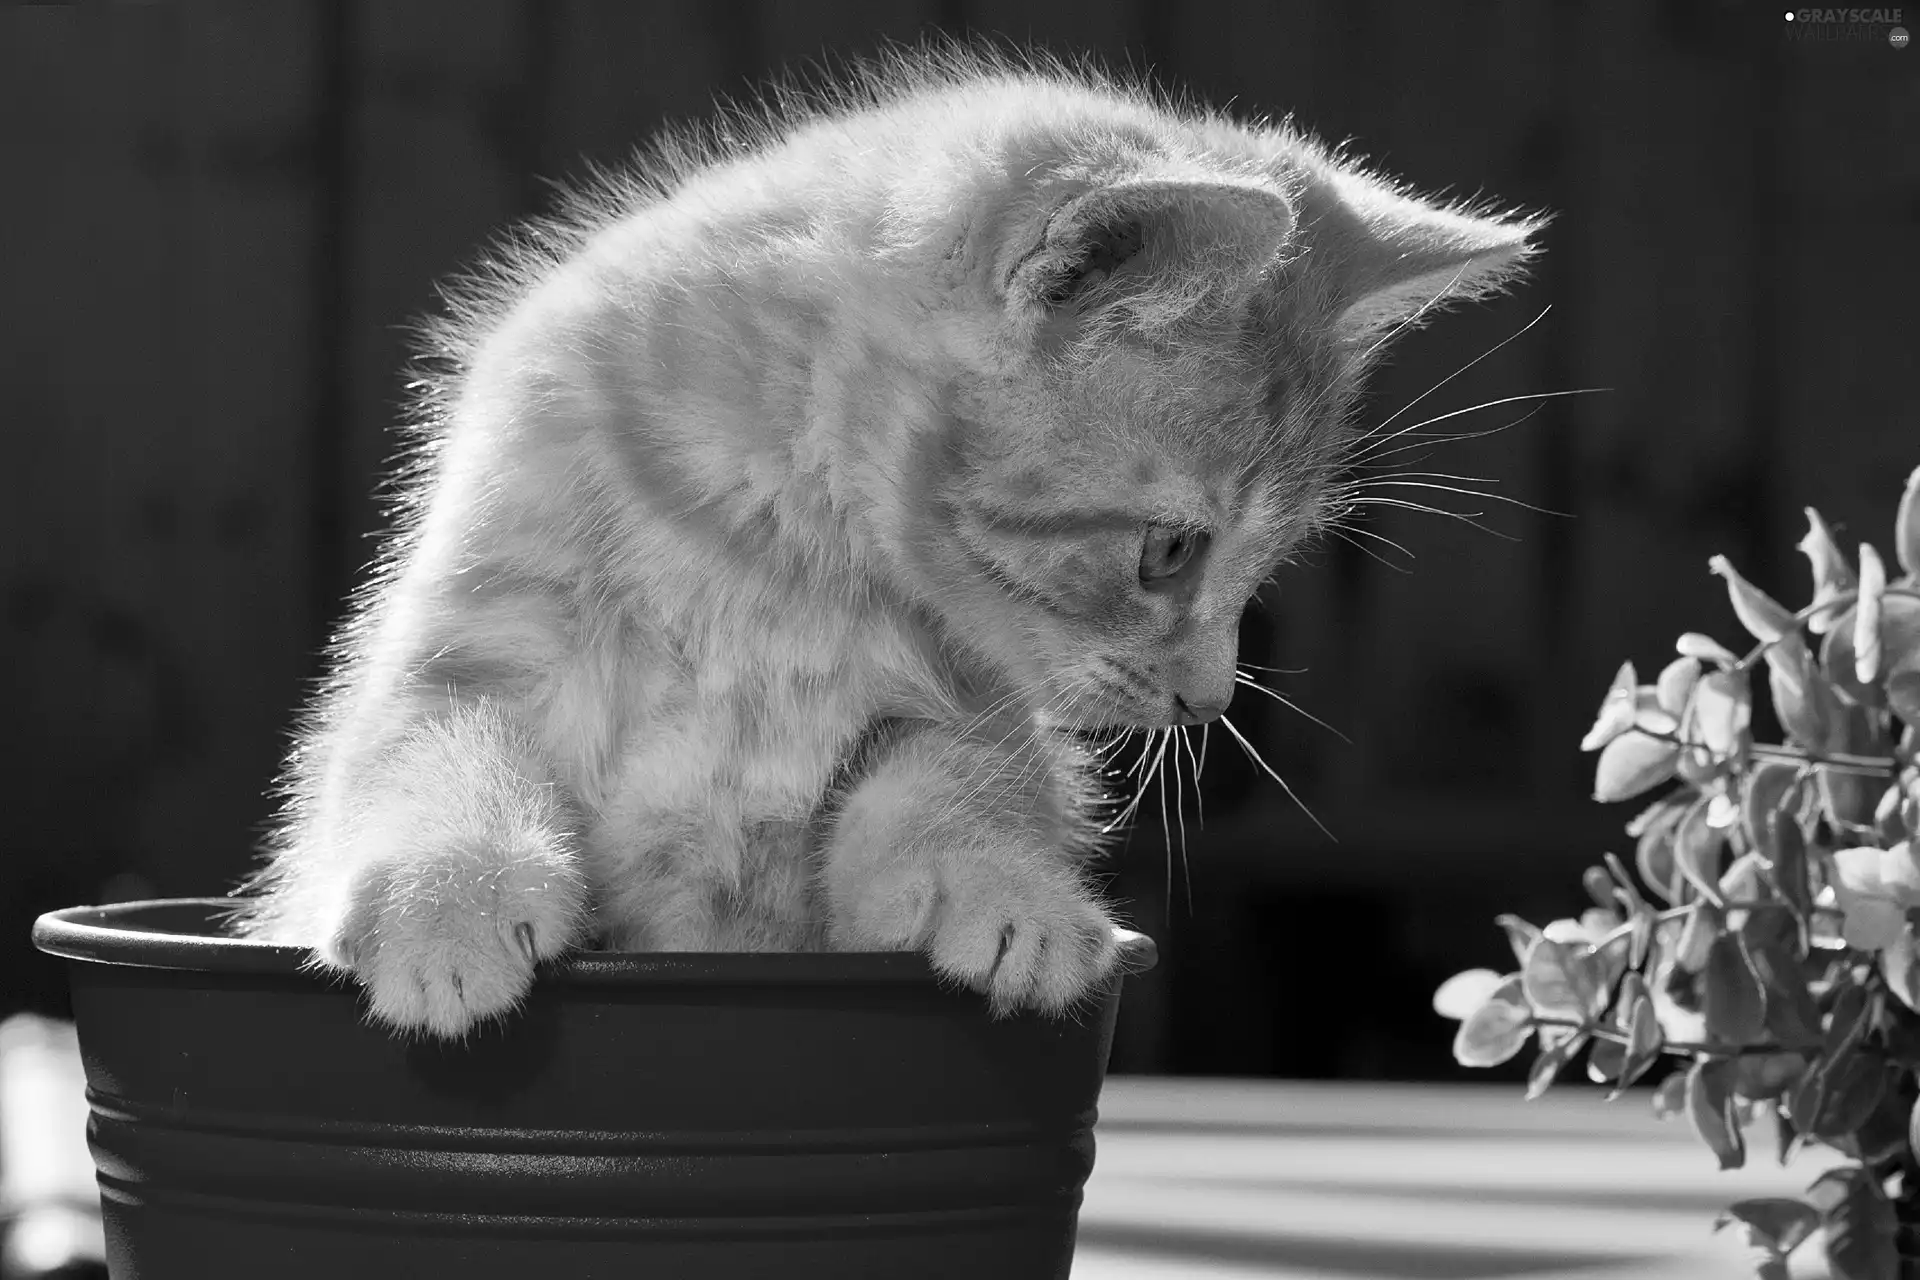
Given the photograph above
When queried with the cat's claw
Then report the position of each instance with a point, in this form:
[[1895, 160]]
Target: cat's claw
[[1026, 936], [443, 947]]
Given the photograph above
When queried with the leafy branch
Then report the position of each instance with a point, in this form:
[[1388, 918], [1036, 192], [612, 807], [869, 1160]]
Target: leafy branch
[[1766, 934]]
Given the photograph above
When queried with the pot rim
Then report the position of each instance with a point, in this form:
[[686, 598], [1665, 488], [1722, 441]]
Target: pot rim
[[125, 933]]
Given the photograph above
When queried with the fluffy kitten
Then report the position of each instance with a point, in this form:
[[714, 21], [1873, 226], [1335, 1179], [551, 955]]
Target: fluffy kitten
[[784, 508]]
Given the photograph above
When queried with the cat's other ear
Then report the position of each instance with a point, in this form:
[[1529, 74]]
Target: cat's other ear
[[1135, 236], [1396, 259]]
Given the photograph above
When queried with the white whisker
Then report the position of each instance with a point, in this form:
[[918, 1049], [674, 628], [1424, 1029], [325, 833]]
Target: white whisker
[[1372, 435], [1290, 705], [1432, 439], [1373, 439], [1342, 531], [1166, 837], [1256, 757], [1396, 482], [1464, 517], [1200, 816]]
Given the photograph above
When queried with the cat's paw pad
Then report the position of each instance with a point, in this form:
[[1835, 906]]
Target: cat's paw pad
[[1025, 934], [445, 944]]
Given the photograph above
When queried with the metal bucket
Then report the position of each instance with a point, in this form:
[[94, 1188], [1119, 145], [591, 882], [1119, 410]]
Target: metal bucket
[[658, 1115]]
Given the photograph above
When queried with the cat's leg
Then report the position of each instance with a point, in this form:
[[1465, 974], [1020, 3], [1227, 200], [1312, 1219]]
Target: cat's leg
[[455, 873], [959, 849]]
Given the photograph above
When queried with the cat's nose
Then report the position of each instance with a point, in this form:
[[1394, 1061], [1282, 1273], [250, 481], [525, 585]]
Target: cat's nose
[[1196, 712]]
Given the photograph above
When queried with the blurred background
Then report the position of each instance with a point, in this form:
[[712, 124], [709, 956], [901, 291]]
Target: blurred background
[[221, 218]]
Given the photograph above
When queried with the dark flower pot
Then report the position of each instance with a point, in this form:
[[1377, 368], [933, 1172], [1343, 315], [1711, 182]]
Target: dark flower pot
[[667, 1115]]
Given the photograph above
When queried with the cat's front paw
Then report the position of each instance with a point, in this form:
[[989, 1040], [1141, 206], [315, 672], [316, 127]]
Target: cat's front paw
[[449, 941], [1021, 929]]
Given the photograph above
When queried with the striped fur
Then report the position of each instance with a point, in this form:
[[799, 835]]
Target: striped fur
[[851, 413]]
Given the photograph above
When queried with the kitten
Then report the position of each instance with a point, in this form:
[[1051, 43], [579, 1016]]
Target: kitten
[[785, 508]]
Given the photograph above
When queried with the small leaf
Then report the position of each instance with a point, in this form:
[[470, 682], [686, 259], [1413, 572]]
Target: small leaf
[[1640, 936], [1633, 988], [1802, 698], [1666, 809], [1742, 882], [1495, 1032], [1697, 846], [1631, 764], [1787, 848], [1776, 1224], [1599, 886], [1676, 1001], [1764, 617], [1874, 888], [1772, 941], [1835, 1098], [1706, 649], [1859, 1222], [1883, 1134], [1643, 1039], [1607, 1061], [1721, 812], [1609, 960], [1547, 1067], [1617, 710], [1768, 787], [1624, 891], [1906, 525], [1764, 1076], [1464, 992], [1886, 816], [1832, 575], [1786, 1138], [1733, 1000], [1594, 924], [1903, 695], [1719, 712], [1650, 717], [1846, 1019], [1837, 662], [1654, 856], [1697, 936], [1670, 1096], [1898, 965], [1866, 616], [1560, 980], [1913, 1128], [1710, 1108], [1520, 935], [1899, 636], [1855, 1085], [1848, 798], [1676, 683]]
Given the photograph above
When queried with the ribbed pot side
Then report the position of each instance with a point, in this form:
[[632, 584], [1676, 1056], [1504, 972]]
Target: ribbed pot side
[[717, 1116]]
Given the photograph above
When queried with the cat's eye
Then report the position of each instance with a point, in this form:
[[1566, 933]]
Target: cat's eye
[[1166, 551]]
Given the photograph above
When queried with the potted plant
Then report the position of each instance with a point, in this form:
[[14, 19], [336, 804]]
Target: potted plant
[[718, 1115], [1767, 942]]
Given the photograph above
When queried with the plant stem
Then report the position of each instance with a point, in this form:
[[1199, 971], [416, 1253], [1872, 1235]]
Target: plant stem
[[1711, 1048], [1736, 904], [1838, 761]]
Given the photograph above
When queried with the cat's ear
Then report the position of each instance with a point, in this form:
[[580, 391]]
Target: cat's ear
[[1139, 233], [1397, 259]]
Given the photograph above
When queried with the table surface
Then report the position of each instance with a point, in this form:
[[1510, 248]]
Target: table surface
[[1232, 1180]]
